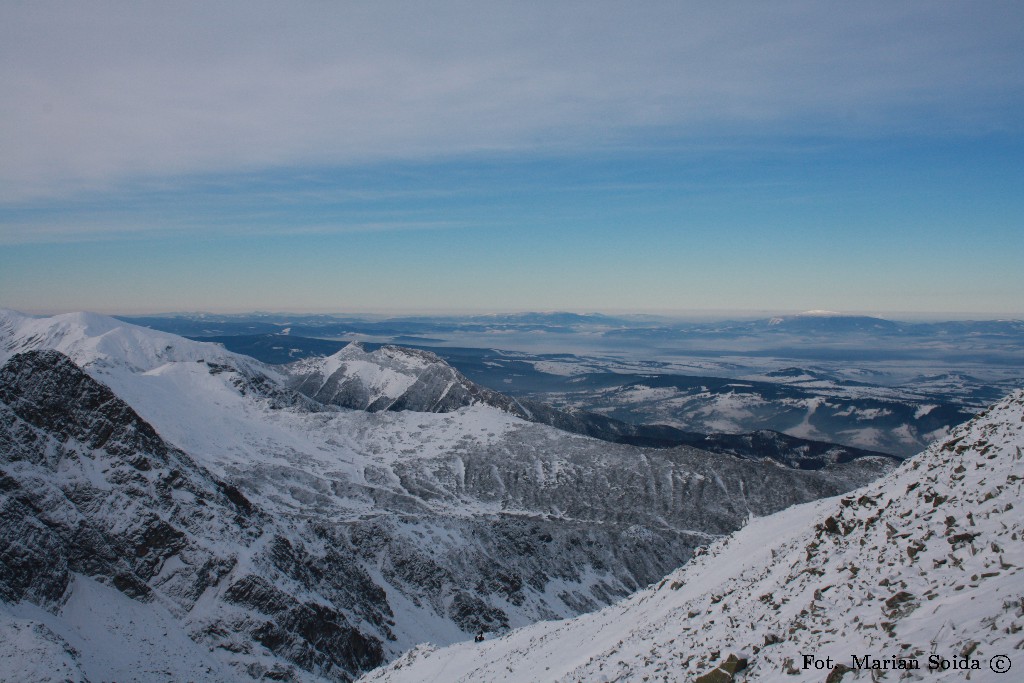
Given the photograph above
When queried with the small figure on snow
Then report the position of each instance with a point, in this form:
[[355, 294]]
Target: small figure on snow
[[479, 637]]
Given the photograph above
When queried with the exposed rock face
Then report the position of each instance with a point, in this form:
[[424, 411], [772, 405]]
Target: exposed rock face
[[298, 539], [89, 488], [392, 378], [918, 576], [683, 487]]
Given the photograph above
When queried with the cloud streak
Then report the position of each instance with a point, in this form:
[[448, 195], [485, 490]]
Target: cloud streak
[[100, 93]]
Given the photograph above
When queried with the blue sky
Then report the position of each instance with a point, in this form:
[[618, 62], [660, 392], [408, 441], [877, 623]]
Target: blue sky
[[484, 156]]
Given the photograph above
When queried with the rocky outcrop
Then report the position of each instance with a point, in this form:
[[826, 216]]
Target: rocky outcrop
[[89, 488], [917, 576], [391, 378], [725, 672]]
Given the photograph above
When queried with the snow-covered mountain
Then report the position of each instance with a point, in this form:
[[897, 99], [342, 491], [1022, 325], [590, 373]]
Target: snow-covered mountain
[[98, 341], [392, 378], [831, 322], [924, 568], [177, 485]]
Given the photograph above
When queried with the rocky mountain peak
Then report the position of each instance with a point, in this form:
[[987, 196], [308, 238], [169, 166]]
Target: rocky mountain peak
[[391, 378]]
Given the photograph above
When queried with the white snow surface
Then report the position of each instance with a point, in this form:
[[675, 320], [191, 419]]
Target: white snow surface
[[98, 341], [561, 369], [926, 562], [387, 372], [102, 635]]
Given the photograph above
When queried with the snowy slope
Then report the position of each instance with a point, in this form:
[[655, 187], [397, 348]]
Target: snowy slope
[[924, 566], [447, 522], [126, 555], [100, 634], [91, 339]]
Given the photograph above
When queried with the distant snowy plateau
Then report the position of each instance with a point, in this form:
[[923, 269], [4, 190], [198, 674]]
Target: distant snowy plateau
[[170, 510]]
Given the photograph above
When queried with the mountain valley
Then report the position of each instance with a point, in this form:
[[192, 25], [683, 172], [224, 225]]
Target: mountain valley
[[248, 511], [915, 577]]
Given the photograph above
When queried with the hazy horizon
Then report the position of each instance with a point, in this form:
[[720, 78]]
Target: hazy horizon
[[696, 315]]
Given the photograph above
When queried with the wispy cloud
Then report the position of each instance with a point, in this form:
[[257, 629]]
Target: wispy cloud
[[108, 228], [99, 93]]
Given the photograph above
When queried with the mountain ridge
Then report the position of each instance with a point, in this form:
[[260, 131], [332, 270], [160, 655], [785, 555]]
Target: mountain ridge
[[399, 378], [922, 567], [449, 522], [392, 378]]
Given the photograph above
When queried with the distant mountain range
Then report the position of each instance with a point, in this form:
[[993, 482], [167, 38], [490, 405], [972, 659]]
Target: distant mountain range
[[817, 322], [396, 378], [656, 405]]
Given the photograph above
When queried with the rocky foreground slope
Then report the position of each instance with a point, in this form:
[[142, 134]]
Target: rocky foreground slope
[[919, 576], [246, 531], [97, 512]]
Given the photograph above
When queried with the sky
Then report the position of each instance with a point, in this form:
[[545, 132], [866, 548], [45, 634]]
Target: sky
[[483, 156]]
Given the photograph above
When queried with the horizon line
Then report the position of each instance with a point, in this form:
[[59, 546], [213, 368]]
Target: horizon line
[[681, 313]]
